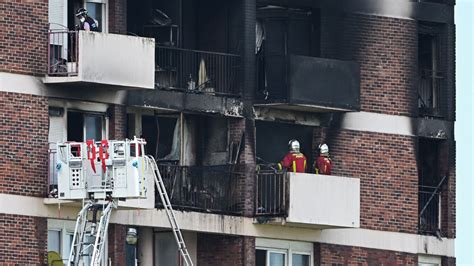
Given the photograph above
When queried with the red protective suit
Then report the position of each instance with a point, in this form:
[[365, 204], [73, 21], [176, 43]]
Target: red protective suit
[[323, 165], [294, 162]]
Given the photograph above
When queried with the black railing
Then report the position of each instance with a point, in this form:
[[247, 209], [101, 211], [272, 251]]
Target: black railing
[[197, 71], [430, 100], [429, 200], [201, 188], [271, 193], [63, 53]]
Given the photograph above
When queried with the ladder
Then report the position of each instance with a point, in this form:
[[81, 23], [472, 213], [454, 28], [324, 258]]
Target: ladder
[[169, 211], [90, 235]]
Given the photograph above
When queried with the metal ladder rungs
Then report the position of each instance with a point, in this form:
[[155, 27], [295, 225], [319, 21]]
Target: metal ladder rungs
[[169, 211]]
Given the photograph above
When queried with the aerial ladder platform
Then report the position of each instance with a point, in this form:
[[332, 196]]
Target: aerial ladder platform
[[100, 173]]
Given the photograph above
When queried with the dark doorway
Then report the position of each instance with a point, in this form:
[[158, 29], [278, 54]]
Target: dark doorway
[[273, 138]]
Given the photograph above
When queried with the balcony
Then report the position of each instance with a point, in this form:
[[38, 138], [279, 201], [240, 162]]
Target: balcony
[[308, 200], [197, 71], [429, 199], [202, 188], [305, 83], [196, 81], [100, 60]]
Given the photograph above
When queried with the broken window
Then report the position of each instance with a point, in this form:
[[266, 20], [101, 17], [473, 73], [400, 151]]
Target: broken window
[[430, 77]]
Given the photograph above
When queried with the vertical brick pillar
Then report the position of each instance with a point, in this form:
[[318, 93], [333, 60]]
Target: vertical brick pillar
[[118, 16], [316, 254], [117, 121], [246, 163], [116, 245], [225, 250]]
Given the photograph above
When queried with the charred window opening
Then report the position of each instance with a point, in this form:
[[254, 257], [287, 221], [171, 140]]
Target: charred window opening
[[431, 77], [197, 43], [205, 140], [83, 126], [161, 132], [432, 169], [209, 25], [273, 138], [283, 32]]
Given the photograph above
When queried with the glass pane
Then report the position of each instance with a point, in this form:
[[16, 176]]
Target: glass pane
[[67, 248], [93, 127], [261, 257], [277, 259], [54, 238], [300, 260], [94, 10]]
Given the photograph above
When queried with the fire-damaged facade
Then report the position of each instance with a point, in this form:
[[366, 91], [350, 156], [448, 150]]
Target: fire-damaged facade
[[217, 89]]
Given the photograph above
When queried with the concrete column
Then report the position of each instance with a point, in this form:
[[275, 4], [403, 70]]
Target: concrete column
[[145, 246]]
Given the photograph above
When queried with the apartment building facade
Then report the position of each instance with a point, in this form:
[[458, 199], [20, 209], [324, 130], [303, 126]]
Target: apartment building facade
[[217, 89]]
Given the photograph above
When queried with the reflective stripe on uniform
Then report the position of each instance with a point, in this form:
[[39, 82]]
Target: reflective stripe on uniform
[[294, 166]]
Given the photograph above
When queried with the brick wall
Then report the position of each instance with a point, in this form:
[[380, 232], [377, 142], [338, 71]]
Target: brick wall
[[23, 42], [116, 248], [246, 182], [448, 190], [24, 144], [23, 241], [118, 16], [117, 121], [386, 166], [386, 50], [345, 255], [225, 250]]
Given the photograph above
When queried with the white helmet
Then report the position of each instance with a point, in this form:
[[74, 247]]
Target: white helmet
[[294, 145], [323, 148]]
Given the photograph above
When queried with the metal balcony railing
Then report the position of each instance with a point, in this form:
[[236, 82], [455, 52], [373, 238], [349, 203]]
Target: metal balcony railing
[[52, 173], [271, 193], [430, 101], [197, 71], [429, 199], [63, 53], [201, 188]]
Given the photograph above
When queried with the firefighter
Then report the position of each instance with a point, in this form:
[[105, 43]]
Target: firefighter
[[87, 23], [294, 161], [323, 163]]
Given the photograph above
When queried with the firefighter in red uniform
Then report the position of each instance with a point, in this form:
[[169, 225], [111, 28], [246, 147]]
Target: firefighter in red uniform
[[323, 163], [294, 160]]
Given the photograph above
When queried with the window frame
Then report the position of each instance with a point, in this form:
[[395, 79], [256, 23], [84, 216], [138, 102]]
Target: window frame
[[104, 126], [105, 12], [287, 247]]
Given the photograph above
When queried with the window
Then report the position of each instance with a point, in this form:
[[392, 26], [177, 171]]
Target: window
[[430, 94], [54, 241], [97, 10], [431, 171], [300, 259], [426, 260], [283, 253], [68, 244], [84, 126]]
